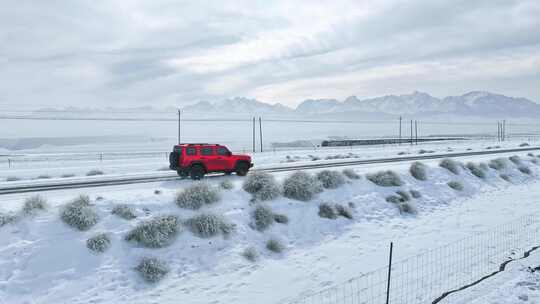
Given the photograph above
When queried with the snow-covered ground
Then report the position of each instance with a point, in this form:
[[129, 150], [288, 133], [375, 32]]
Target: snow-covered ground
[[38, 164], [43, 260]]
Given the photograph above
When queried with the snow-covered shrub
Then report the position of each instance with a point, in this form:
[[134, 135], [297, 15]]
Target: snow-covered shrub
[[34, 204], [394, 199], [157, 192], [275, 245], [251, 254], [484, 166], [157, 232], [525, 170], [197, 195], [405, 196], [7, 219], [301, 186], [506, 177], [331, 179], [530, 154], [406, 208], [67, 175], [94, 172], [350, 174], [281, 218], [476, 170], [99, 243], [152, 269], [422, 151], [208, 225], [515, 159], [385, 179], [79, 213], [450, 165], [12, 179], [415, 193], [344, 211], [327, 210], [262, 185], [498, 164], [419, 171], [263, 217], [534, 161], [524, 145], [402, 153], [124, 211], [226, 185], [456, 185], [43, 176]]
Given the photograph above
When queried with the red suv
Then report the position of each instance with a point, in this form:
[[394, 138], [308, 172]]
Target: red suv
[[195, 160]]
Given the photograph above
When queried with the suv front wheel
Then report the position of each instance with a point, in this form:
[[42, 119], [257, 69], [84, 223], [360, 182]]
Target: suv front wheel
[[242, 169], [196, 172]]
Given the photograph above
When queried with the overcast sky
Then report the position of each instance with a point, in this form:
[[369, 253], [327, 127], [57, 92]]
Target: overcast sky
[[128, 52]]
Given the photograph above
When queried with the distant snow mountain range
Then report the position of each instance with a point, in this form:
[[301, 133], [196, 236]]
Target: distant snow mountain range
[[475, 103]]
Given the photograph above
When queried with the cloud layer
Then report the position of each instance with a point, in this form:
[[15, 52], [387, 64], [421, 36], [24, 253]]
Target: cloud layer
[[165, 52]]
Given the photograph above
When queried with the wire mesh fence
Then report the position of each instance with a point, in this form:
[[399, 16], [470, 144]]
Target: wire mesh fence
[[425, 277]]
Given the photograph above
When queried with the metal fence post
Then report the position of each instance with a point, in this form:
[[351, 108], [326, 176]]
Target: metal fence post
[[389, 273]]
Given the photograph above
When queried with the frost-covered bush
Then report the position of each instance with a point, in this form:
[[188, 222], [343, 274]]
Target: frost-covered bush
[[406, 208], [197, 195], [415, 194], [94, 172], [208, 225], [12, 179], [251, 254], [524, 145], [456, 185], [484, 166], [534, 161], [530, 154], [344, 211], [515, 159], [281, 218], [263, 217], [226, 185], [405, 196], [525, 170], [331, 179], [350, 174], [262, 185], [476, 170], [419, 171], [157, 192], [34, 204], [327, 210], [152, 269], [79, 213], [506, 177], [7, 219], [99, 243], [157, 232], [301, 186], [422, 151], [385, 179], [450, 165], [43, 176], [498, 164], [394, 199], [67, 175], [275, 245], [124, 211]]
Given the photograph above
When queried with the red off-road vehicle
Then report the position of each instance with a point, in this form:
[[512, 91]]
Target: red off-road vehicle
[[195, 160]]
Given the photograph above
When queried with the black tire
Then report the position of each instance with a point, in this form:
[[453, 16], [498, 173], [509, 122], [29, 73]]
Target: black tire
[[182, 173], [196, 172], [242, 169]]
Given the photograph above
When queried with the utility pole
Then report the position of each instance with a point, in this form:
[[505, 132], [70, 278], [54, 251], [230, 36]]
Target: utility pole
[[499, 131], [504, 130], [416, 131], [253, 133], [260, 132], [400, 130], [411, 133], [179, 123]]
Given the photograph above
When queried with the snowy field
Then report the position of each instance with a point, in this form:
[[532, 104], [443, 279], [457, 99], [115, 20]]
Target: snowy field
[[43, 260], [45, 164]]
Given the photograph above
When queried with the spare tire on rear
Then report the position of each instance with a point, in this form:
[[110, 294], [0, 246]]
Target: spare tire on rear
[[173, 160]]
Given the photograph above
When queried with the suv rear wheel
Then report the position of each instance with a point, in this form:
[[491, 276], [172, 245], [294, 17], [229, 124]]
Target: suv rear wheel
[[196, 172], [242, 169]]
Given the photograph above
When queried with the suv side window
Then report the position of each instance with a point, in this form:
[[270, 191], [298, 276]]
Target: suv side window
[[222, 151], [207, 151], [191, 151]]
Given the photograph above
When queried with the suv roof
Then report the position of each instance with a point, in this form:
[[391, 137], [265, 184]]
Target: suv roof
[[197, 144]]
